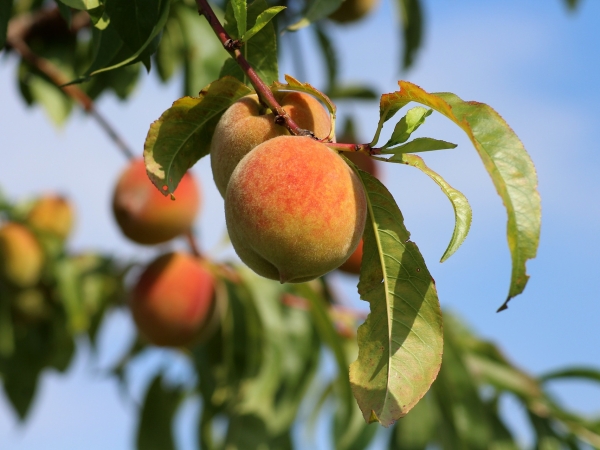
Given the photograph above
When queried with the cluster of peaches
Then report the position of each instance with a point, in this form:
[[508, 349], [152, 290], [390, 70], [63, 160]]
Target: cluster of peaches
[[294, 209]]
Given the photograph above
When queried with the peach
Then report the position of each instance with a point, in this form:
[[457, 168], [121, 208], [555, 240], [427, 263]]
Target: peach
[[173, 299], [53, 215], [294, 209], [145, 215], [368, 164], [352, 10], [21, 256], [247, 124]]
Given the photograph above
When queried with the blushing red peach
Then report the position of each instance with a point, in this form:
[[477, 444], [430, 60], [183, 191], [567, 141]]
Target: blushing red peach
[[247, 124], [145, 215], [173, 300], [294, 209]]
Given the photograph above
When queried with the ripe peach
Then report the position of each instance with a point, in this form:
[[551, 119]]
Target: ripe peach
[[173, 299], [368, 164], [21, 256], [247, 124], [52, 214], [352, 10], [145, 215], [294, 209]]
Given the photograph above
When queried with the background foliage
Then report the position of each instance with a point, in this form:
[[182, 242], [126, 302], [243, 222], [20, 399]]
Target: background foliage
[[168, 397]]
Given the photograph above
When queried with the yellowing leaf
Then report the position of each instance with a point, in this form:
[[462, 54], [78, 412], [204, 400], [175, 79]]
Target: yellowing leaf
[[505, 159], [182, 134], [400, 343]]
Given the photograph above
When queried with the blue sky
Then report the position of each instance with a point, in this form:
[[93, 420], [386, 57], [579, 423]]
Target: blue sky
[[537, 65]]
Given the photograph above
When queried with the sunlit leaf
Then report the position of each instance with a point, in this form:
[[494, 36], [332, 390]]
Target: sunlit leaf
[[239, 11], [504, 157], [260, 51], [400, 343], [413, 119], [419, 145], [462, 210], [261, 21], [182, 134], [82, 4]]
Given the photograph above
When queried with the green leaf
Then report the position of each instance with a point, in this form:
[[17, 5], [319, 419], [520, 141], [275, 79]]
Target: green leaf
[[413, 119], [260, 51], [261, 21], [7, 342], [5, 15], [316, 9], [505, 159], [400, 343], [82, 4], [419, 145], [202, 54], [412, 30], [20, 389], [137, 26], [239, 8], [572, 4], [155, 427], [462, 210], [182, 134], [68, 284]]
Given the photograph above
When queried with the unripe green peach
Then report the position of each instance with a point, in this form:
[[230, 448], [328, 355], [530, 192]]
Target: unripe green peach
[[173, 299], [368, 164], [294, 209], [52, 214], [352, 10], [247, 124], [21, 257], [145, 215]]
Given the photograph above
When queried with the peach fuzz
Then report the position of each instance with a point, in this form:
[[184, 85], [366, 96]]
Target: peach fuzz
[[21, 256], [173, 299], [294, 209], [145, 215], [247, 124]]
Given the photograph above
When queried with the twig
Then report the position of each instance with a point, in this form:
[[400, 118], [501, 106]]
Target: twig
[[21, 27], [193, 244]]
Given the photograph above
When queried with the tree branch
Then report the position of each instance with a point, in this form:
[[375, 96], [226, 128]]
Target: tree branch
[[23, 26], [233, 48]]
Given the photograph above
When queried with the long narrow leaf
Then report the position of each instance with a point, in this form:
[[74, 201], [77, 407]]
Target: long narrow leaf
[[400, 343], [504, 157], [462, 210]]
